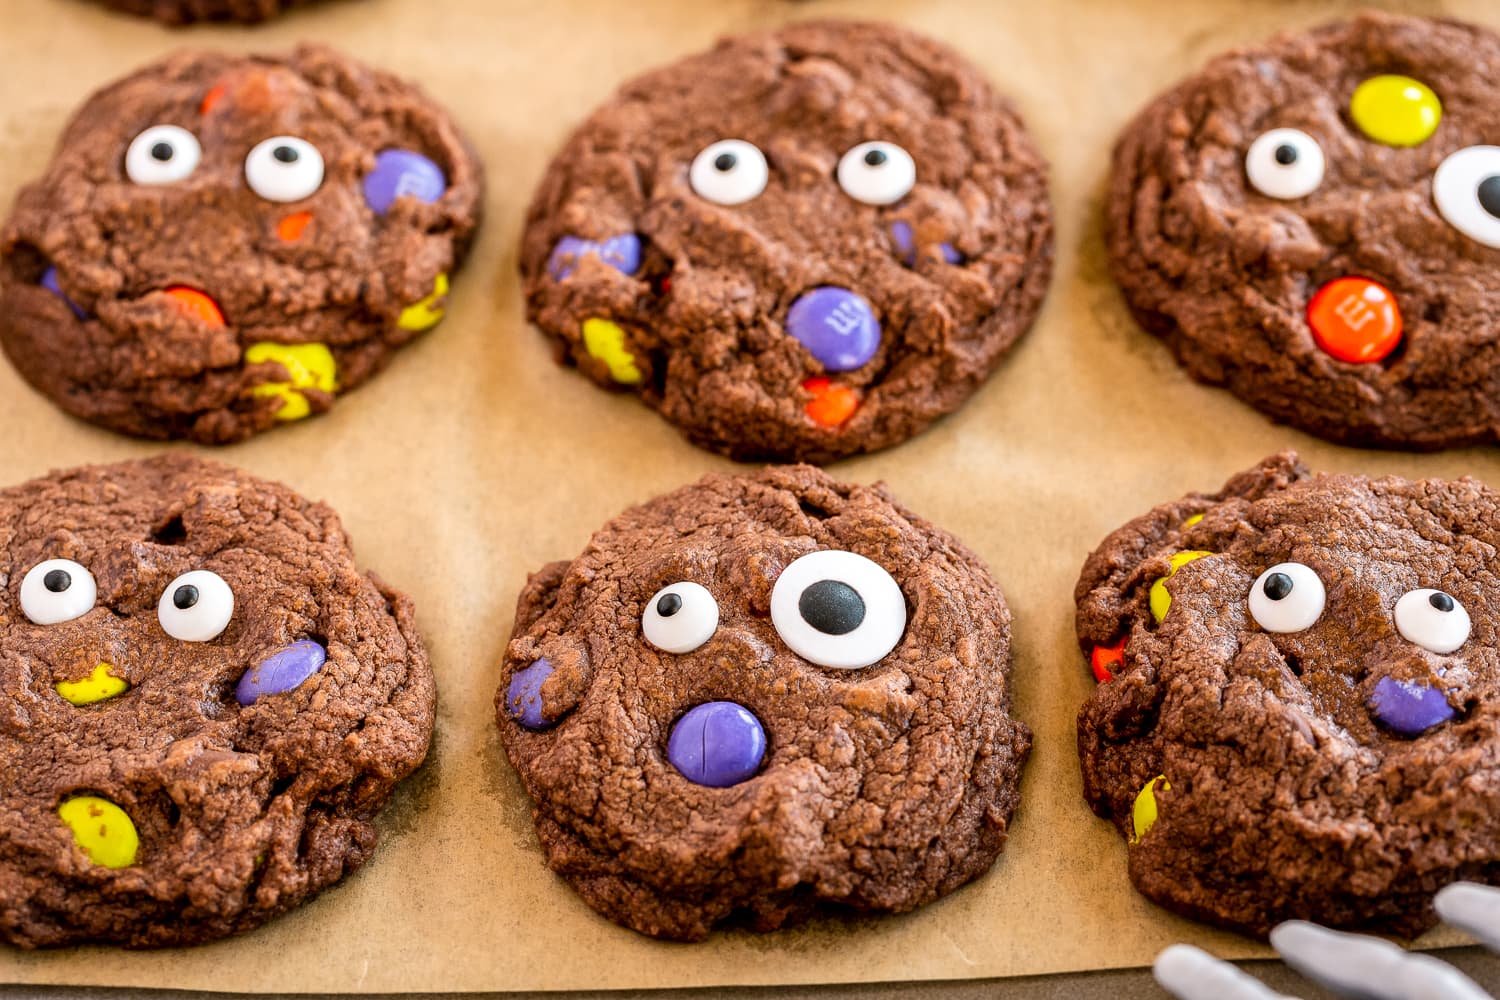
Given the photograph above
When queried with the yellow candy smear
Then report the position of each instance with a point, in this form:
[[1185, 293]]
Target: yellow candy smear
[[102, 829], [311, 366], [1161, 601], [97, 686], [606, 341], [1396, 110], [1143, 815], [426, 313]]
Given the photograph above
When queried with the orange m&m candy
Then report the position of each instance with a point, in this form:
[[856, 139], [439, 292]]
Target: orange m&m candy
[[197, 304], [1105, 660], [831, 404], [1355, 319]]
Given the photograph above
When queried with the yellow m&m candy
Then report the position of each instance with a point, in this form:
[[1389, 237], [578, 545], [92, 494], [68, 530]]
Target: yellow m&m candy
[[605, 340], [97, 686], [1143, 816], [102, 829], [1396, 110], [310, 366], [1161, 601]]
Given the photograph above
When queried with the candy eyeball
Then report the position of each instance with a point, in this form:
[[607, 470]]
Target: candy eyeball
[[877, 173], [1285, 163], [680, 617], [284, 168], [1466, 190], [56, 591], [1432, 620], [1288, 597], [838, 609], [729, 172], [196, 607], [163, 154]]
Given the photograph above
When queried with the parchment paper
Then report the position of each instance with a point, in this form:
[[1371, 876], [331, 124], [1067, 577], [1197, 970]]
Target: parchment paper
[[474, 459]]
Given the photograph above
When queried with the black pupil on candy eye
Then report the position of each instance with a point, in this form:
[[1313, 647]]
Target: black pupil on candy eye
[[725, 162], [162, 151], [185, 597], [286, 154], [57, 581], [875, 157], [832, 607], [1286, 155], [1277, 586], [1489, 195], [668, 605], [1440, 601]]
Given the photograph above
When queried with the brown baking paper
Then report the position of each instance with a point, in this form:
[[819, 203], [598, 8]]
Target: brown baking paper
[[474, 460]]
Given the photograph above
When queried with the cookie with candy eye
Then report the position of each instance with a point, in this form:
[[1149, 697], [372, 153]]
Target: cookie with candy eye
[[1314, 224], [222, 243], [189, 11], [762, 696], [1308, 727], [205, 703], [799, 245]]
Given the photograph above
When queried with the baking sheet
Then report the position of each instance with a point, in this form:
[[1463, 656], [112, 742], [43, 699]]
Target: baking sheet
[[474, 459]]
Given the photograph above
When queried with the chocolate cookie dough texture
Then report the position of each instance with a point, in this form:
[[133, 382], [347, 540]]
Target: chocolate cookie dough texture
[[224, 243], [760, 696], [1298, 710], [801, 244], [205, 703], [188, 11], [1315, 224]]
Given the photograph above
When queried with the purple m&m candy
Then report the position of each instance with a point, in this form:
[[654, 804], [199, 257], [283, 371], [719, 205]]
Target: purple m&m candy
[[1407, 707], [836, 326], [622, 252], [906, 247], [400, 173], [523, 698], [282, 671], [717, 744], [49, 282]]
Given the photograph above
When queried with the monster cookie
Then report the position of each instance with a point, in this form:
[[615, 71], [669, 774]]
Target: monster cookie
[[1298, 713], [759, 696], [1315, 224], [224, 242], [187, 11], [205, 703], [798, 245]]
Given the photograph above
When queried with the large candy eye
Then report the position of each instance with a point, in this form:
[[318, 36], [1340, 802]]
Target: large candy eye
[[57, 590], [1288, 597], [877, 173], [1432, 620], [1466, 189], [196, 607], [838, 609], [284, 169], [730, 172], [680, 618], [1285, 163], [163, 154]]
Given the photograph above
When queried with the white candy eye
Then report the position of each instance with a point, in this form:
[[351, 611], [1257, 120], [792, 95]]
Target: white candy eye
[[163, 154], [730, 172], [838, 609], [57, 590], [680, 618], [284, 168], [196, 607], [1285, 163], [1466, 189], [1288, 597], [877, 173], [1432, 620]]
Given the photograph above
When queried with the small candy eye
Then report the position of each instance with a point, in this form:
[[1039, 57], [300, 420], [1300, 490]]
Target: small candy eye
[[196, 607], [1288, 597], [1432, 620], [730, 172], [1285, 163], [1466, 188], [163, 154], [680, 618], [838, 609], [57, 590], [284, 168], [877, 173]]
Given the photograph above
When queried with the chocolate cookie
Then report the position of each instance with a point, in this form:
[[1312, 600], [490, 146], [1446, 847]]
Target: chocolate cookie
[[205, 703], [802, 244], [225, 242], [761, 695], [1315, 224], [188, 11], [1299, 707]]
